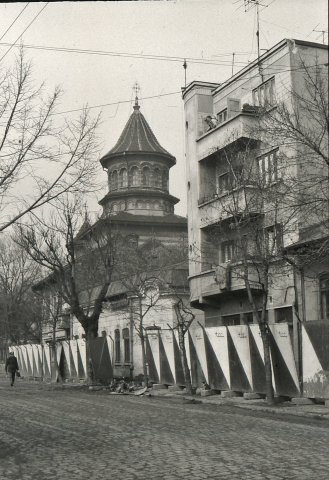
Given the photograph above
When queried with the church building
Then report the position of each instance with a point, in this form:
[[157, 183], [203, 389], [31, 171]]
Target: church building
[[140, 207]]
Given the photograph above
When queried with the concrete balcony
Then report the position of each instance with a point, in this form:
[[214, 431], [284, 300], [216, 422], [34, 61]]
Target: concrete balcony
[[239, 201], [242, 126], [222, 279]]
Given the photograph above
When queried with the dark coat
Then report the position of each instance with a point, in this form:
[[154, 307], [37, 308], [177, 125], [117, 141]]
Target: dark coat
[[11, 364]]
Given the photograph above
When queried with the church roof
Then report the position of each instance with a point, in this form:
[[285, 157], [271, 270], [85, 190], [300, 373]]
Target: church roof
[[170, 219], [137, 137]]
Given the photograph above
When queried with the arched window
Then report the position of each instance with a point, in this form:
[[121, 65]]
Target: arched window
[[157, 177], [117, 352], [126, 345], [134, 176], [114, 208], [114, 180], [165, 179], [123, 178], [146, 176]]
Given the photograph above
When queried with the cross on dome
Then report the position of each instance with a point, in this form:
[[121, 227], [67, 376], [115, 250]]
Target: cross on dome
[[137, 89]]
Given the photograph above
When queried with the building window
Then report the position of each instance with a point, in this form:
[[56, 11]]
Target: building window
[[268, 167], [134, 176], [114, 180], [230, 320], [146, 176], [165, 180], [123, 178], [228, 251], [273, 239], [283, 315], [157, 177], [264, 95], [324, 296], [224, 182], [132, 240], [126, 345], [222, 116], [117, 352]]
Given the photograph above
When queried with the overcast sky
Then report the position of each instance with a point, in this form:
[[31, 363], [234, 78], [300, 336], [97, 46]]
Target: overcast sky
[[199, 29]]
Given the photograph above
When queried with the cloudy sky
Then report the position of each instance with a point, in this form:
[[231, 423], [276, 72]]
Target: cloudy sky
[[125, 42]]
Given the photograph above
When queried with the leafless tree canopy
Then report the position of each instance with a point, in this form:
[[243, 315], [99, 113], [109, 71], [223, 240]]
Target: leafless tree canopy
[[41, 156], [20, 311]]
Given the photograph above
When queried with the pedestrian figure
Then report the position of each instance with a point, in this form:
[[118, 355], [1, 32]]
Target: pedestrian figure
[[12, 367]]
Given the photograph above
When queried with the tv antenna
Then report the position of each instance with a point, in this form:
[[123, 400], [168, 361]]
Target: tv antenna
[[248, 5], [323, 33]]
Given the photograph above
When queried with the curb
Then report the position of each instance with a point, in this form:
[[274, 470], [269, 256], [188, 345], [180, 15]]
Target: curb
[[321, 415]]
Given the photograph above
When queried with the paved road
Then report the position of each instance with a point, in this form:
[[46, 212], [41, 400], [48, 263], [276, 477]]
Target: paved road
[[51, 433]]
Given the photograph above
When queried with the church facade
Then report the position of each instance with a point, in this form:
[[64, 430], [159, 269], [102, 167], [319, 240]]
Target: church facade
[[139, 206]]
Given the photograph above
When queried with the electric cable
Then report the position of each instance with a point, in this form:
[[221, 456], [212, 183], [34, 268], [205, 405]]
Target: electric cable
[[14, 21], [32, 21]]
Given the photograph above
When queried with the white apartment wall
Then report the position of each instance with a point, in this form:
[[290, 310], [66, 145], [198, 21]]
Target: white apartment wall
[[198, 98], [278, 64]]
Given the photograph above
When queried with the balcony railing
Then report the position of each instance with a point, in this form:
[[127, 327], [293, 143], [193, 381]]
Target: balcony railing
[[243, 125], [239, 201], [227, 277]]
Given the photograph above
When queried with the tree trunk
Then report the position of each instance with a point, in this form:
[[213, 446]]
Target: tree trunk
[[264, 329], [145, 372], [186, 370], [90, 335], [54, 367], [142, 337], [268, 368]]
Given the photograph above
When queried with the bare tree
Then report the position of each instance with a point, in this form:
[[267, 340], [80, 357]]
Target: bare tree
[[145, 275], [80, 259], [42, 156], [299, 125], [184, 319], [52, 311], [20, 313], [246, 224]]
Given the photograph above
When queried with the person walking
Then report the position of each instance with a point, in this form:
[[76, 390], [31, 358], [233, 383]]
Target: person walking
[[12, 367]]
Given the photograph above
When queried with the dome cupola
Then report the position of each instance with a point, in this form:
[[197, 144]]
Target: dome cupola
[[138, 171]]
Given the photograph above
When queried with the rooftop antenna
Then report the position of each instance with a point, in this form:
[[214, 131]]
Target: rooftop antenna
[[248, 4], [323, 33], [233, 55], [185, 67]]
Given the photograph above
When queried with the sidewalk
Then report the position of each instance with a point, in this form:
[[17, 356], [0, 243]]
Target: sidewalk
[[260, 405], [317, 411]]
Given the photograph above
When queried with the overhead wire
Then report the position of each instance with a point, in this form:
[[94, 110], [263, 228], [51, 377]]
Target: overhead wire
[[133, 55], [220, 84], [18, 38], [206, 61], [12, 23]]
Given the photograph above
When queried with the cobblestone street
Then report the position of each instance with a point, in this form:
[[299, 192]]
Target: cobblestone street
[[70, 433]]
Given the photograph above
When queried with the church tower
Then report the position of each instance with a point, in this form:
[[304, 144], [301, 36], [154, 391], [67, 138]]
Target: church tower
[[138, 172]]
